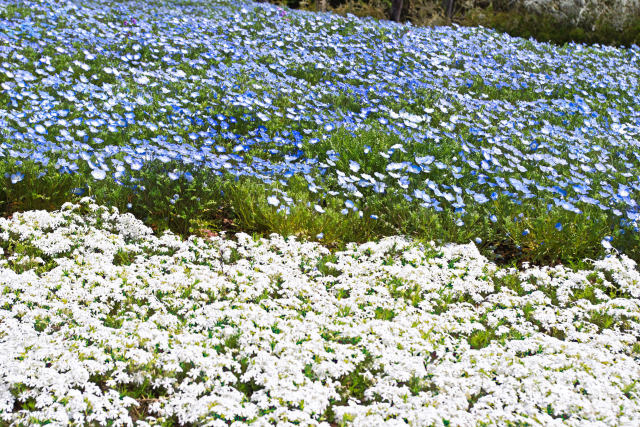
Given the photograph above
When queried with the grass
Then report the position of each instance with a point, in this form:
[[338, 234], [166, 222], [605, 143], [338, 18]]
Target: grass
[[225, 204]]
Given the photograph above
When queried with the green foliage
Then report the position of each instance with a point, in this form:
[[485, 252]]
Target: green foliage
[[123, 257], [384, 313], [328, 270], [501, 15], [410, 293], [481, 338], [520, 23]]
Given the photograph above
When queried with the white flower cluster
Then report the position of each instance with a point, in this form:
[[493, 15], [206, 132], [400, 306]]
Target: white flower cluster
[[115, 325]]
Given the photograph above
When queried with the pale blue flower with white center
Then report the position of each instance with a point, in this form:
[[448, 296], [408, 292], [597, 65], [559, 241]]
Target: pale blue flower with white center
[[493, 218], [320, 236], [98, 174], [16, 177], [349, 204], [41, 129], [319, 209], [136, 165], [273, 200], [480, 198], [525, 232], [478, 240], [558, 226]]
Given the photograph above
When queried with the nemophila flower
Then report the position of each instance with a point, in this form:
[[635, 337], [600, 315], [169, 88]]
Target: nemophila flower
[[558, 226], [480, 198], [142, 80], [273, 200], [176, 91], [16, 177]]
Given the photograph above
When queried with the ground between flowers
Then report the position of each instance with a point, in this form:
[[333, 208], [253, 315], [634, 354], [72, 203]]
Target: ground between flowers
[[101, 321]]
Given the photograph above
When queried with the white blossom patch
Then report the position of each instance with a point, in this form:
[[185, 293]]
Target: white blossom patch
[[103, 322]]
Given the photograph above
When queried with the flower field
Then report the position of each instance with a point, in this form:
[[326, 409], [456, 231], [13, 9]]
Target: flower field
[[188, 113], [103, 322], [459, 211]]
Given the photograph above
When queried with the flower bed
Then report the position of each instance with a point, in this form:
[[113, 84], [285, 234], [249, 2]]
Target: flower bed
[[243, 116], [103, 321]]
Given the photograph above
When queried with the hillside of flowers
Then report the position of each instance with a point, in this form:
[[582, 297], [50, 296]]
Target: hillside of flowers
[[236, 115], [227, 213]]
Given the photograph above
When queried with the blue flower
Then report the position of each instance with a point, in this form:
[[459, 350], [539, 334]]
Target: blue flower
[[16, 177], [480, 198], [98, 174]]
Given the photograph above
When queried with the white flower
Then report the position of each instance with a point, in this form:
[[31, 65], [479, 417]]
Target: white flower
[[201, 321], [273, 200]]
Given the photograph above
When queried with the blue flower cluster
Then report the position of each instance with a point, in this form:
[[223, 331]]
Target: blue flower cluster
[[241, 89]]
